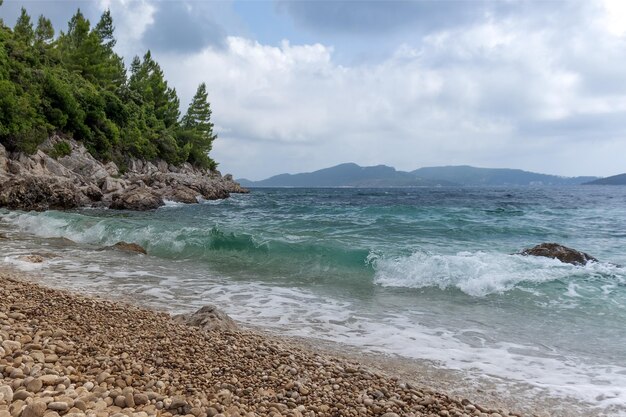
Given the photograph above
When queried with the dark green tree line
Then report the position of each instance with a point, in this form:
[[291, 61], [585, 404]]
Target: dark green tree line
[[76, 85]]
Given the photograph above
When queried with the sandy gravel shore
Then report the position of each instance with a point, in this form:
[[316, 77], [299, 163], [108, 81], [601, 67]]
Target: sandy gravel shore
[[64, 354]]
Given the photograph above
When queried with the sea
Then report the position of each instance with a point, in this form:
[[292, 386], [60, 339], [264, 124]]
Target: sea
[[430, 275]]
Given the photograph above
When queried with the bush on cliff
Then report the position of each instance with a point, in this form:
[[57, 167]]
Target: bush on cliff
[[75, 84]]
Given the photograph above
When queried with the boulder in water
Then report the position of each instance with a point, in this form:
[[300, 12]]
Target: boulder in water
[[560, 252], [208, 317], [128, 247]]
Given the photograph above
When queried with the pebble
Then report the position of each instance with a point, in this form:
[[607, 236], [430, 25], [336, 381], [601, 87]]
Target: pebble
[[95, 358], [36, 409], [58, 406], [7, 393], [35, 385]]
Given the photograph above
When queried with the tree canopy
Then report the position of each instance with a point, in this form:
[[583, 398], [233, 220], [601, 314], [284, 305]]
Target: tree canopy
[[76, 85]]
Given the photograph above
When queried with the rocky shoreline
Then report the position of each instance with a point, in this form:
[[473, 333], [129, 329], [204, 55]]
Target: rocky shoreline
[[41, 182], [63, 354]]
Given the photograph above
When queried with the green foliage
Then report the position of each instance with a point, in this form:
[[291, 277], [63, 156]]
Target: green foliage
[[76, 85], [198, 129], [60, 149], [23, 29], [44, 33]]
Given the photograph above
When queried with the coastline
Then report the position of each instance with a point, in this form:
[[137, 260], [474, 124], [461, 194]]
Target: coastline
[[181, 369]]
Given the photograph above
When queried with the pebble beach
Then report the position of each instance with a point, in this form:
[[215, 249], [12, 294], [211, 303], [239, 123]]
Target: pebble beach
[[64, 354]]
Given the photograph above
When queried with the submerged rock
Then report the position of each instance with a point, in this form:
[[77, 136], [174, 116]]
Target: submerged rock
[[128, 247], [560, 252], [35, 259], [208, 317]]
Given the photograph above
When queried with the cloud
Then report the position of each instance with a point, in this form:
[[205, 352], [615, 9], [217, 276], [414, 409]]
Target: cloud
[[502, 92], [182, 27]]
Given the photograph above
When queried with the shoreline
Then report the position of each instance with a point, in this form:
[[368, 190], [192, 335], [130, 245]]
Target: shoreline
[[143, 347]]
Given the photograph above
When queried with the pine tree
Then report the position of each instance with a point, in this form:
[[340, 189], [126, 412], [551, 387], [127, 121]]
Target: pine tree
[[44, 32], [23, 29], [105, 30], [197, 136], [198, 115]]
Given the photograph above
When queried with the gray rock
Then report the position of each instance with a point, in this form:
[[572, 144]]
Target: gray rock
[[39, 193], [141, 199], [208, 317], [560, 252]]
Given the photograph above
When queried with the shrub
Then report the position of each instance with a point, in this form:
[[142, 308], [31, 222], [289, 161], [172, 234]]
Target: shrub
[[61, 149]]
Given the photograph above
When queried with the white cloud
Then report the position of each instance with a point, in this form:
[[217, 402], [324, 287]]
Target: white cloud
[[499, 93], [615, 16], [131, 18]]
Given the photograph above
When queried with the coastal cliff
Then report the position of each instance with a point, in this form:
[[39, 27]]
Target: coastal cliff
[[42, 181]]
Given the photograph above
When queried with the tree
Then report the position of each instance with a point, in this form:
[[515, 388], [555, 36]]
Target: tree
[[44, 33], [23, 29], [198, 115], [199, 136], [105, 30]]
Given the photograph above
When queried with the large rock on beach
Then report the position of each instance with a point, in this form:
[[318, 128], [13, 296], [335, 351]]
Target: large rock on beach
[[208, 317], [560, 252]]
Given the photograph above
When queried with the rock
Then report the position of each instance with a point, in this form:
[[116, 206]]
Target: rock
[[92, 192], [181, 194], [128, 247], [560, 252], [58, 406], [35, 259], [7, 393], [39, 193], [50, 380], [36, 409], [208, 317], [141, 199], [112, 185], [141, 399], [11, 346], [35, 385], [111, 169]]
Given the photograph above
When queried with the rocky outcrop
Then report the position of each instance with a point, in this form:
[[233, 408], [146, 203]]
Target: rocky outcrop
[[40, 182], [560, 252], [208, 317]]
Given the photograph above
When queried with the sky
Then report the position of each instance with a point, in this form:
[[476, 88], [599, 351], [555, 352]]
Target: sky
[[298, 85]]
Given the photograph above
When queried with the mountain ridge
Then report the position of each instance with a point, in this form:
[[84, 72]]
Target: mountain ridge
[[619, 179], [383, 176]]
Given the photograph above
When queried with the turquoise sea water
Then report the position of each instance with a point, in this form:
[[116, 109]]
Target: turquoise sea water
[[425, 273]]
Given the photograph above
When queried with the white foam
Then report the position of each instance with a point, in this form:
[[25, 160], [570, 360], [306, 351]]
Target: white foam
[[477, 273], [171, 204]]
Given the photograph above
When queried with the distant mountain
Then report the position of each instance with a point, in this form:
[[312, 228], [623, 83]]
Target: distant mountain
[[468, 175], [380, 176], [614, 180], [347, 175]]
